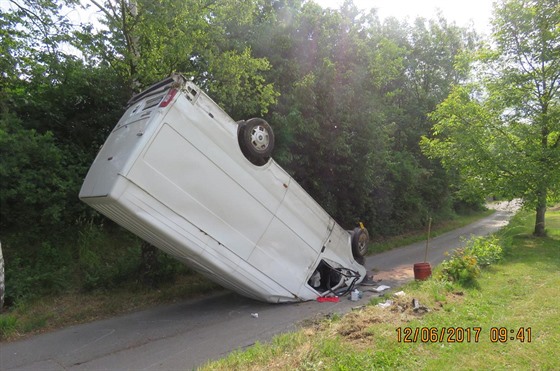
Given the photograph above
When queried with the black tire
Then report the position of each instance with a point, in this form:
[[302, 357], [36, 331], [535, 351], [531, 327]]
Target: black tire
[[360, 240], [256, 140]]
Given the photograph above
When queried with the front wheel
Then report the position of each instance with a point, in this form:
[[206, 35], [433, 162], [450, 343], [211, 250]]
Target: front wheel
[[256, 140], [360, 241]]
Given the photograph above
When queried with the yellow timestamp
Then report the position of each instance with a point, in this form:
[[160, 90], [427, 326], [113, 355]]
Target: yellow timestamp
[[504, 334], [461, 334], [438, 334]]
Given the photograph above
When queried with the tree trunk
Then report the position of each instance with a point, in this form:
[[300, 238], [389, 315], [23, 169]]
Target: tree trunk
[[541, 211]]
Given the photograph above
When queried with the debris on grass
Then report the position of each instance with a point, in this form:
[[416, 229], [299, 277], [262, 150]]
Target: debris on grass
[[386, 304], [417, 308]]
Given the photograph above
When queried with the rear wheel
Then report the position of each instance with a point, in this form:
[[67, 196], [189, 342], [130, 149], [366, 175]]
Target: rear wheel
[[256, 140], [360, 241]]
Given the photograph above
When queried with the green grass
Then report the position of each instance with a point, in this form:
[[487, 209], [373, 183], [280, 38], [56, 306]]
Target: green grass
[[519, 293]]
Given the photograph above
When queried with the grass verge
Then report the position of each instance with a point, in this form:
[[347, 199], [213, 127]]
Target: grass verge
[[509, 320], [48, 313]]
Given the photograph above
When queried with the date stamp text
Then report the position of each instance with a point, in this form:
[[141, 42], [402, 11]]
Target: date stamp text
[[462, 334]]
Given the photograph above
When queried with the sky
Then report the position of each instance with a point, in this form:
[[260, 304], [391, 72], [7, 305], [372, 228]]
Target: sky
[[462, 12]]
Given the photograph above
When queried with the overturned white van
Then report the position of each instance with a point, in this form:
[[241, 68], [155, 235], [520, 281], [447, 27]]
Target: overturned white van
[[181, 174]]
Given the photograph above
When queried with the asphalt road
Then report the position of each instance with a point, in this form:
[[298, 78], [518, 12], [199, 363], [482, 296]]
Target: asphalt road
[[185, 335]]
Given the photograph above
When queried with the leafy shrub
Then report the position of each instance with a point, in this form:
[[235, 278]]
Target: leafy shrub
[[38, 181], [488, 250], [44, 270], [159, 268], [462, 267]]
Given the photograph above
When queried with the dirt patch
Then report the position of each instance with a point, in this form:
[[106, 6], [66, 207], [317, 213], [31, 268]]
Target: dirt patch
[[360, 326], [357, 325], [400, 273]]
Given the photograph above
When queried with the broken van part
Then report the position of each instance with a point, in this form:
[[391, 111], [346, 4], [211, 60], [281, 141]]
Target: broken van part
[[184, 176]]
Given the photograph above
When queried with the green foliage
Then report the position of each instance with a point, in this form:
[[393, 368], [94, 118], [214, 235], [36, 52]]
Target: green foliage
[[360, 118], [499, 131], [464, 264], [44, 270], [99, 265], [462, 267], [36, 180], [488, 250], [346, 94], [109, 257], [8, 325], [147, 40], [241, 88]]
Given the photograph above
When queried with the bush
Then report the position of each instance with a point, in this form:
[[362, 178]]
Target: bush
[[462, 267], [46, 269], [488, 250], [38, 182]]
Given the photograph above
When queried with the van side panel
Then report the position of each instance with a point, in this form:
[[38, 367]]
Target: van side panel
[[180, 176], [160, 226], [150, 220], [214, 133], [305, 217], [283, 256]]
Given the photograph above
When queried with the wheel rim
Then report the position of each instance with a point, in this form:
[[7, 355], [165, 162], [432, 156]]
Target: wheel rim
[[260, 139], [362, 243]]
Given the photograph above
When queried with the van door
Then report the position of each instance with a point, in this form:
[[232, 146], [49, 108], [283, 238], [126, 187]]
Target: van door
[[292, 244]]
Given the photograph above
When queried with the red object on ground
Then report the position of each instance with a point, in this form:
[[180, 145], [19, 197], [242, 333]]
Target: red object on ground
[[422, 271], [332, 299]]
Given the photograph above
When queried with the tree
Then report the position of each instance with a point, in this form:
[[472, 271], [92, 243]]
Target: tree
[[501, 130], [354, 97], [37, 181], [145, 41]]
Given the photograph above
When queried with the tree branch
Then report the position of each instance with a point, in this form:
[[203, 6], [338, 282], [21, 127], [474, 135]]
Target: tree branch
[[107, 13]]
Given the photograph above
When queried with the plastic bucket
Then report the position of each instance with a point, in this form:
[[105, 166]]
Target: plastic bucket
[[422, 271]]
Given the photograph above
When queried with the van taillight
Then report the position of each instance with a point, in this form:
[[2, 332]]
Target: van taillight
[[168, 98]]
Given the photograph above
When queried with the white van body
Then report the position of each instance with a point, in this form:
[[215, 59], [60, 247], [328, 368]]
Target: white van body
[[172, 172]]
